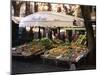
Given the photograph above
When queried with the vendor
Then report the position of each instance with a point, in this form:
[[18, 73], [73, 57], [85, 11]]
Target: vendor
[[75, 36], [53, 36]]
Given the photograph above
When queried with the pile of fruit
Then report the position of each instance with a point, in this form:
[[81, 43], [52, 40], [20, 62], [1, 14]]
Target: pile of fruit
[[70, 50], [67, 51], [54, 52], [35, 47], [28, 49]]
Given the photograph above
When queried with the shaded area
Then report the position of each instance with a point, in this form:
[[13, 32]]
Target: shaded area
[[35, 65], [21, 66]]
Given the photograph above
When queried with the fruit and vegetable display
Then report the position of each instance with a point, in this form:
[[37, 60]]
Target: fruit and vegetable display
[[54, 48], [35, 47], [28, 49], [70, 51]]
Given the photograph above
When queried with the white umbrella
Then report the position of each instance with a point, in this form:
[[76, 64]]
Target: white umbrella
[[50, 19], [16, 19]]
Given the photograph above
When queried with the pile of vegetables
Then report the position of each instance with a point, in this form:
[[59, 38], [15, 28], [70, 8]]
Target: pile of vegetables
[[35, 47], [69, 50], [47, 43], [54, 47]]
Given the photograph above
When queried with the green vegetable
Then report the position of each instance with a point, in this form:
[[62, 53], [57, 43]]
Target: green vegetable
[[46, 42]]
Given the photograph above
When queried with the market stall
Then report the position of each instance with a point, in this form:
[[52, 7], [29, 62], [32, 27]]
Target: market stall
[[55, 48]]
